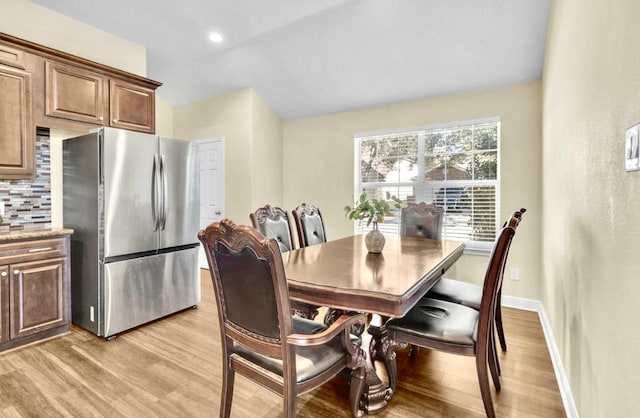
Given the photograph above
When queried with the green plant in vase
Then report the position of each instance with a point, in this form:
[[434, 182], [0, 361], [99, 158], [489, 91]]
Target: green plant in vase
[[374, 211]]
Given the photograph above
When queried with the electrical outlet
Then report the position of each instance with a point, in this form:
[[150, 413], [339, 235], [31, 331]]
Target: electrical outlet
[[514, 273]]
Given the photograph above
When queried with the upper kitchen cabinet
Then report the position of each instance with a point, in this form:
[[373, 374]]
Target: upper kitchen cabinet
[[82, 95], [131, 106], [17, 133], [75, 94]]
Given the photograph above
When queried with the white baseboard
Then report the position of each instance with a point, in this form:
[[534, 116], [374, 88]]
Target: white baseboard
[[561, 377]]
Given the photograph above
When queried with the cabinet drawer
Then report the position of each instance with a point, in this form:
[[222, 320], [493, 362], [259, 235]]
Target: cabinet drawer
[[18, 252]]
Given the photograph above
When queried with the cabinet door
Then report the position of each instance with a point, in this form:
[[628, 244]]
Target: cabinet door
[[131, 107], [4, 304], [17, 134], [38, 296], [74, 93]]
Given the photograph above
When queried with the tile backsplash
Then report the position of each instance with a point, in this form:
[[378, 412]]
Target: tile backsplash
[[27, 203]]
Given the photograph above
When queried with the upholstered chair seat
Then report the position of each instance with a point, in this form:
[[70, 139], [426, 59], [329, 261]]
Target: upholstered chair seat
[[458, 329], [260, 339], [310, 360], [469, 294], [437, 320]]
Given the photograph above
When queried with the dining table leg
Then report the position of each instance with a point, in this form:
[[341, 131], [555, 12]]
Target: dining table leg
[[375, 343]]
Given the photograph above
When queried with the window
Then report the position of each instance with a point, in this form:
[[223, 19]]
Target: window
[[454, 166]]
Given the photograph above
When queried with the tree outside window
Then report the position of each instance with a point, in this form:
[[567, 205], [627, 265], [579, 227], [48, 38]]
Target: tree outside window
[[455, 167]]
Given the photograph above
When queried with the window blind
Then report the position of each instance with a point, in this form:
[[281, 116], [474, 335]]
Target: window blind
[[454, 166]]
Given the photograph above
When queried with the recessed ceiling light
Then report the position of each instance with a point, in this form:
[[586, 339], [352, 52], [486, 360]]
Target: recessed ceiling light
[[215, 37]]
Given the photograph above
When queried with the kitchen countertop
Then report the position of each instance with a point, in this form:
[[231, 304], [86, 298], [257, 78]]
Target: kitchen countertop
[[33, 234]]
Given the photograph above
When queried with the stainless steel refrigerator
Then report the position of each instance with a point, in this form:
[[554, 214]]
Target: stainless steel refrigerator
[[133, 202]]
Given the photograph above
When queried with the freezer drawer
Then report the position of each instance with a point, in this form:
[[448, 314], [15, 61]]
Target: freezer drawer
[[140, 290]]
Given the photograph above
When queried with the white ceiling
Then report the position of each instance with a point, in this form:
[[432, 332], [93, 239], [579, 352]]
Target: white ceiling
[[310, 57]]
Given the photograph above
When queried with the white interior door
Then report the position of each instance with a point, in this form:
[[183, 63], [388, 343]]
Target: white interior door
[[211, 161]]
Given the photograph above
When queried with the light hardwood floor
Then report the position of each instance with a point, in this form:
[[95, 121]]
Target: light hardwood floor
[[171, 368]]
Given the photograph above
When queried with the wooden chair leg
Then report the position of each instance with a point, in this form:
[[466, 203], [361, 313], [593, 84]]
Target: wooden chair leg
[[226, 397], [391, 366], [290, 398], [356, 390], [483, 381], [413, 351]]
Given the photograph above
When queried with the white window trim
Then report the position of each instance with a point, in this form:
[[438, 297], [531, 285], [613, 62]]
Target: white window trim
[[471, 248]]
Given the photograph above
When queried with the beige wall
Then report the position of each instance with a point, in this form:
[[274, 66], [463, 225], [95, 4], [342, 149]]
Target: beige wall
[[319, 165], [267, 154], [30, 21], [164, 118], [591, 221], [252, 143], [225, 116]]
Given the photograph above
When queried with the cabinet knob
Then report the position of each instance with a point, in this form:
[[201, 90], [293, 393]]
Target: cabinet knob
[[115, 121], [16, 272], [101, 118], [3, 274]]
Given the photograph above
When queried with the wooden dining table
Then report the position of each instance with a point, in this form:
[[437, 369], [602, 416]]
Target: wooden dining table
[[343, 276]]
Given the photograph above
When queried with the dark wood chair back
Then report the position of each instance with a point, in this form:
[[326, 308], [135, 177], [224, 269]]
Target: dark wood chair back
[[515, 218], [493, 283], [459, 329], [273, 222], [421, 220], [309, 224], [260, 338]]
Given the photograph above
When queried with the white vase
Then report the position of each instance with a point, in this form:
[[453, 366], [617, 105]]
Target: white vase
[[374, 240]]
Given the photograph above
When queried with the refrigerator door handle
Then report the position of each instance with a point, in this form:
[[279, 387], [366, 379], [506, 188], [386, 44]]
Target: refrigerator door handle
[[163, 181], [155, 189]]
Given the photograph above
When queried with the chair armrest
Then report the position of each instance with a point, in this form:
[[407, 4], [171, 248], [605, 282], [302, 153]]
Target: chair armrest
[[341, 325]]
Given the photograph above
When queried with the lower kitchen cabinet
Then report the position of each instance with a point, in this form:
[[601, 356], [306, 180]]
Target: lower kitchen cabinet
[[34, 290], [4, 304], [37, 296]]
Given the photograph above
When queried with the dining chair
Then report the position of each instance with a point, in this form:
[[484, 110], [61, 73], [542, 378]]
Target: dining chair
[[470, 294], [421, 220], [260, 338], [309, 225], [459, 329], [273, 222]]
